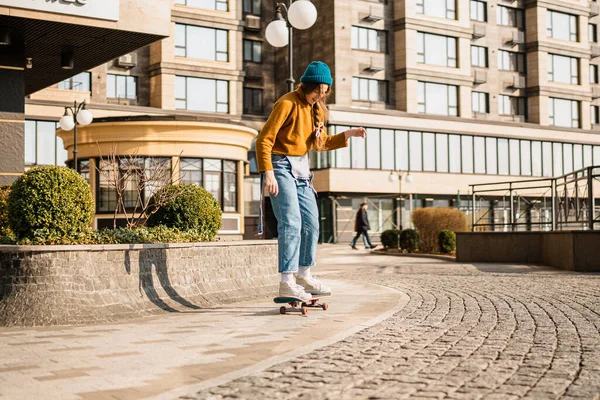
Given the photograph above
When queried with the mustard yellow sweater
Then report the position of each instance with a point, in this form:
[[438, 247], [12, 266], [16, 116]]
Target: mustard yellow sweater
[[289, 129]]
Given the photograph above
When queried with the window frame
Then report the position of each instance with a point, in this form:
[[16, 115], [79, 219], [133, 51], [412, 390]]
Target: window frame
[[380, 82], [574, 79], [573, 36], [253, 110], [451, 62], [215, 2], [519, 61], [116, 77], [381, 39], [478, 3], [217, 102], [485, 55], [518, 14], [216, 31], [252, 46]]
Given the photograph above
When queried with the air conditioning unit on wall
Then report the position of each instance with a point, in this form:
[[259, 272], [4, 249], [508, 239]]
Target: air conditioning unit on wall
[[253, 22], [127, 60]]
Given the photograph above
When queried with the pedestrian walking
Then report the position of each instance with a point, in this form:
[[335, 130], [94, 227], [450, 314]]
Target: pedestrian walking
[[361, 227], [295, 126]]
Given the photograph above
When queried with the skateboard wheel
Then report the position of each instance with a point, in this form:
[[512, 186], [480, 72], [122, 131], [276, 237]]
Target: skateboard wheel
[[282, 310], [325, 306], [304, 310]]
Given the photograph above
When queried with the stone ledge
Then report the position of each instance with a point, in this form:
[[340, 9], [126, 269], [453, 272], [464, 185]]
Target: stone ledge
[[65, 285], [415, 255]]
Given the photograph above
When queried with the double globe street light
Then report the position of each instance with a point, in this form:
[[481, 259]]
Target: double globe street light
[[78, 114], [301, 14]]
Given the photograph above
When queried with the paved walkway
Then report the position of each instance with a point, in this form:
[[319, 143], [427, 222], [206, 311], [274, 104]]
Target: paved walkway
[[176, 354], [458, 332]]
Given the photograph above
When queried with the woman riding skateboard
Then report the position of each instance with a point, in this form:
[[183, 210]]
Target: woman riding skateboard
[[295, 126]]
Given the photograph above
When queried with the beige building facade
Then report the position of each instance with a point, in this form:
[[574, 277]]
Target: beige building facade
[[452, 92]]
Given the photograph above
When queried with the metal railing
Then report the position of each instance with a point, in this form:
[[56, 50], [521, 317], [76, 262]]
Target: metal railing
[[567, 202]]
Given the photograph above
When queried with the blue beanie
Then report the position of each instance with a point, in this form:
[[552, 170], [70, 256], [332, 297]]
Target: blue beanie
[[317, 72]]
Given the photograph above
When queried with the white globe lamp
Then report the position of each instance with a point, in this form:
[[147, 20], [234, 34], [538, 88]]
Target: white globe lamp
[[409, 178], [85, 117], [302, 14], [277, 33], [393, 177], [66, 122]]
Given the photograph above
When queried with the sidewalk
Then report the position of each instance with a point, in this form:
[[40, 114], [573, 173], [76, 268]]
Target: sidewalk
[[176, 354]]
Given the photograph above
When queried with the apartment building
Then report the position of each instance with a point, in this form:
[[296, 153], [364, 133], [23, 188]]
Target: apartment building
[[452, 92]]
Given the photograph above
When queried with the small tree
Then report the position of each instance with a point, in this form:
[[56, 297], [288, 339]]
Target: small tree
[[135, 180], [409, 240], [6, 234], [447, 240], [430, 221], [389, 238]]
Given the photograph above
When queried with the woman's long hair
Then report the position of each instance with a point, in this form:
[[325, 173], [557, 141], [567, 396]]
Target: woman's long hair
[[320, 105]]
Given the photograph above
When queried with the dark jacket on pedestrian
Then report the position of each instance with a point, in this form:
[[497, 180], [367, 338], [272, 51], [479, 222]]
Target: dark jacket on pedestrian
[[362, 221]]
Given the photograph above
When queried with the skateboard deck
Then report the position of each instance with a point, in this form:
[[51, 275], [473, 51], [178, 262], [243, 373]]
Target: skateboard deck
[[303, 305]]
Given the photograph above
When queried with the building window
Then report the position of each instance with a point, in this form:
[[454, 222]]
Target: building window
[[253, 101], [563, 112], [80, 82], [42, 145], [252, 7], [121, 86], [219, 5], [595, 115], [480, 102], [436, 50], [369, 90], [593, 33], [218, 177], [435, 98], [199, 94], [563, 69], [252, 51], [511, 61], [368, 39], [437, 8], [128, 172], [479, 56], [593, 73], [510, 17], [561, 26], [511, 105], [202, 43], [478, 11]]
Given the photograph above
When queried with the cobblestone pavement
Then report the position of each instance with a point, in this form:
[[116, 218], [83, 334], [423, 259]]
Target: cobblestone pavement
[[468, 332]]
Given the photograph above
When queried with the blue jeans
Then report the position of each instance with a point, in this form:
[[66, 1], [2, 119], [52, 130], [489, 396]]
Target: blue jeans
[[295, 208], [366, 239]]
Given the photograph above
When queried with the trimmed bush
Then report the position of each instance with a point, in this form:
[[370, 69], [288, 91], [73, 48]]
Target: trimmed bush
[[430, 221], [6, 234], [409, 240], [50, 203], [187, 208], [447, 241], [389, 238]]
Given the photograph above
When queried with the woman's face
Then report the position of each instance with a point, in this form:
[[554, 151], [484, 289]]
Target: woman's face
[[318, 94]]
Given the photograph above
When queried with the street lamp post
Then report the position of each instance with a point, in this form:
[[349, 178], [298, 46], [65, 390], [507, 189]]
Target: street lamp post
[[78, 114], [299, 14], [396, 176]]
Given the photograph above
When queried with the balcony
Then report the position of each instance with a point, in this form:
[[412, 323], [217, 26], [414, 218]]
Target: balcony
[[594, 9], [478, 31], [518, 82], [479, 77], [371, 16], [373, 66], [595, 92], [595, 51], [517, 37]]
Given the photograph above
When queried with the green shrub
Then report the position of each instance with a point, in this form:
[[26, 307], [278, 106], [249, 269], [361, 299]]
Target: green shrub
[[389, 238], [6, 234], [50, 203], [187, 208], [409, 240], [430, 221], [447, 240]]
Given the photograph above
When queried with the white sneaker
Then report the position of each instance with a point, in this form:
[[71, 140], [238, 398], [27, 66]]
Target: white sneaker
[[293, 290], [313, 286]]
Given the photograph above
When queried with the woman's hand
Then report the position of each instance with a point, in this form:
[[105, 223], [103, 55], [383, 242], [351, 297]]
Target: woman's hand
[[356, 132], [271, 183]]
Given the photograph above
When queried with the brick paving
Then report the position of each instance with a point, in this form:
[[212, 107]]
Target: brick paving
[[468, 332]]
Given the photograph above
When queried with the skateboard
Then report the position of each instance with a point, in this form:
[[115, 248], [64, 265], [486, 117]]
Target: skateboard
[[294, 302]]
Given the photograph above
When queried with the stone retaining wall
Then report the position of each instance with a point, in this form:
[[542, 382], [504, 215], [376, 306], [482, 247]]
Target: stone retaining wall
[[58, 285], [569, 250]]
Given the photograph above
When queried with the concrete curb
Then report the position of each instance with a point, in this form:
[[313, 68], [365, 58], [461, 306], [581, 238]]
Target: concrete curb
[[415, 255]]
